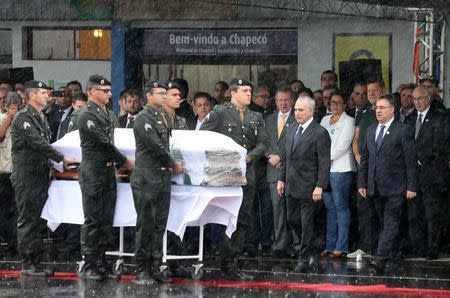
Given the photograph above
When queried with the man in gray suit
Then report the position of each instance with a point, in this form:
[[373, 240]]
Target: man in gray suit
[[305, 172], [276, 125]]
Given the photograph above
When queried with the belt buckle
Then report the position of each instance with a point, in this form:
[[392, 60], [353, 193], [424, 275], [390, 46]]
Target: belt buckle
[[163, 168], [109, 163]]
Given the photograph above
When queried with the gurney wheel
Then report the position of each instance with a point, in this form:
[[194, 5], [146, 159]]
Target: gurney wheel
[[197, 272], [118, 267], [79, 268]]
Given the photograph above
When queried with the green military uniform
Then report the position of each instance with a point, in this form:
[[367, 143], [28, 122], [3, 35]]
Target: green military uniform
[[73, 124], [30, 179], [365, 119], [150, 183], [97, 180], [250, 134]]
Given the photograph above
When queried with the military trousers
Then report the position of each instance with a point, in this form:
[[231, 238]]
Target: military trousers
[[8, 211], [31, 192], [230, 248], [151, 194], [99, 192]]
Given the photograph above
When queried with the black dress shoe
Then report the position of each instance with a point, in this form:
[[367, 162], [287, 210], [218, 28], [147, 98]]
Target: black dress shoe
[[431, 256], [377, 267], [302, 266], [107, 272], [160, 275], [266, 251], [144, 278], [250, 252], [36, 270], [235, 274]]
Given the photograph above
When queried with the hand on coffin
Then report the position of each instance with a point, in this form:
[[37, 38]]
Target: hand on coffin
[[177, 168], [67, 160], [128, 165]]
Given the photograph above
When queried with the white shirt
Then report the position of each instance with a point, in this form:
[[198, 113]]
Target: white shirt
[[386, 128], [424, 114], [199, 123], [341, 135], [305, 125], [128, 118]]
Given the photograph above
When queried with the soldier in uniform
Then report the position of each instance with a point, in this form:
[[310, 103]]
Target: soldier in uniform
[[30, 176], [172, 104], [97, 177], [150, 183], [246, 128]]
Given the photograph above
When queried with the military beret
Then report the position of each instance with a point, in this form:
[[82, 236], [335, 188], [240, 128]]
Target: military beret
[[98, 80], [240, 82], [154, 84], [13, 98], [173, 85], [36, 84]]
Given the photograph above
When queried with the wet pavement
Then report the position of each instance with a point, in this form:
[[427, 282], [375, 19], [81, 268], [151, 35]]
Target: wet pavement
[[273, 278]]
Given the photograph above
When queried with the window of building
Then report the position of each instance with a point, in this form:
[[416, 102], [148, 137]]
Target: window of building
[[5, 48], [67, 43]]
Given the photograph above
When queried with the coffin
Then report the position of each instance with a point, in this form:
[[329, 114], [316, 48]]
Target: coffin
[[209, 158]]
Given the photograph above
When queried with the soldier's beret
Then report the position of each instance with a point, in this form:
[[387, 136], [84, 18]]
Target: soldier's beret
[[240, 82], [99, 80], [36, 84], [154, 84], [173, 85]]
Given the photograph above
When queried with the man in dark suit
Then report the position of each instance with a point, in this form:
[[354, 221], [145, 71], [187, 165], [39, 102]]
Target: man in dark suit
[[305, 172], [431, 142], [133, 106], [387, 173], [276, 125], [59, 116]]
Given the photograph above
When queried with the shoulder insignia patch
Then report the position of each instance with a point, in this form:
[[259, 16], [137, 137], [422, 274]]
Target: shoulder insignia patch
[[147, 126], [90, 124], [25, 125]]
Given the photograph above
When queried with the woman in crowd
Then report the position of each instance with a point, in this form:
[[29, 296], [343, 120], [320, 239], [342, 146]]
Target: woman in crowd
[[341, 128]]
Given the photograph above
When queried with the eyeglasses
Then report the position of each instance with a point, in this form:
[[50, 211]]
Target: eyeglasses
[[106, 91], [162, 93]]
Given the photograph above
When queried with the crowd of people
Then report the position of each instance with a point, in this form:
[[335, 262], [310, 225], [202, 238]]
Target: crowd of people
[[329, 174]]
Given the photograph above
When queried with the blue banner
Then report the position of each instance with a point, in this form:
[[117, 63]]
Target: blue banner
[[221, 42]]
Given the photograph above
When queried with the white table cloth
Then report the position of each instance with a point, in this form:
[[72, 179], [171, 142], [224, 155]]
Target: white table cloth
[[189, 206]]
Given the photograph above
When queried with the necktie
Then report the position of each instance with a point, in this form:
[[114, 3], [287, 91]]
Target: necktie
[[297, 137], [282, 124], [241, 114], [418, 125], [130, 122], [380, 137]]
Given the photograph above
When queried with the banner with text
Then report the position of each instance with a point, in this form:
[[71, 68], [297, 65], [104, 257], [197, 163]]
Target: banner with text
[[221, 42]]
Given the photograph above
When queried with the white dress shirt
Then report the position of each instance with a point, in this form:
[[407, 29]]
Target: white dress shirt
[[386, 127]]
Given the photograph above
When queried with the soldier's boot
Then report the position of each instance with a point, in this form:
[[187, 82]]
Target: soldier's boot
[[91, 272], [160, 273], [107, 271], [35, 270], [143, 277], [230, 270]]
